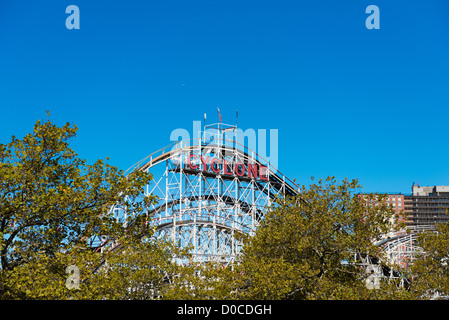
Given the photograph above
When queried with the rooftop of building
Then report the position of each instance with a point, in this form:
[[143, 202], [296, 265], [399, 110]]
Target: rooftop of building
[[418, 190]]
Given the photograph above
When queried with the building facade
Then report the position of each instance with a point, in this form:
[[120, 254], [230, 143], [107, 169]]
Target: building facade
[[426, 206], [397, 202], [421, 209]]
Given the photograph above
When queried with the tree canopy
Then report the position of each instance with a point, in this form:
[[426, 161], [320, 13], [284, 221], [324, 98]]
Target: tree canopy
[[54, 207], [306, 247], [53, 204], [430, 270]]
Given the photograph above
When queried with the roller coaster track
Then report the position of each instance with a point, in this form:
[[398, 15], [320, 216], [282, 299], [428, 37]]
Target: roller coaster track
[[203, 209], [173, 149]]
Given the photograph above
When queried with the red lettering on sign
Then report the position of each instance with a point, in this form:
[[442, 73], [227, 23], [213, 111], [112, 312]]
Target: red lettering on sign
[[225, 168], [205, 162], [215, 168], [263, 174], [189, 161], [240, 172], [252, 171]]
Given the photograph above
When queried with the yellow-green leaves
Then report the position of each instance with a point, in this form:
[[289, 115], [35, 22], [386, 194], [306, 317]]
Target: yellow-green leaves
[[52, 202], [301, 246], [430, 271]]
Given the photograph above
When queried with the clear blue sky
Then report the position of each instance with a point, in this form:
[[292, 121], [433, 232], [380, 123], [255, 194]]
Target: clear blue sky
[[347, 101]]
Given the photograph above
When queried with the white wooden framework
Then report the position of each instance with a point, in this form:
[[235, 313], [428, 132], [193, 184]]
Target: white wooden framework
[[203, 205]]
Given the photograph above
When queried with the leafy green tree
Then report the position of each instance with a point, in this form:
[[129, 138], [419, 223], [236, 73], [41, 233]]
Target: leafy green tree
[[52, 206], [430, 269], [205, 281], [305, 247], [136, 267]]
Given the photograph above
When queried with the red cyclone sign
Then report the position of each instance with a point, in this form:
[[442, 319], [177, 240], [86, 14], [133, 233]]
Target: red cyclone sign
[[217, 166]]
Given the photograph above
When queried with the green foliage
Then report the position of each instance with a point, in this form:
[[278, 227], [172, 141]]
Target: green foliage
[[430, 270], [136, 268], [51, 204], [305, 247]]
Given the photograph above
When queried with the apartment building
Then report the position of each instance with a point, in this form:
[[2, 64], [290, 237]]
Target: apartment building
[[426, 206], [423, 208]]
